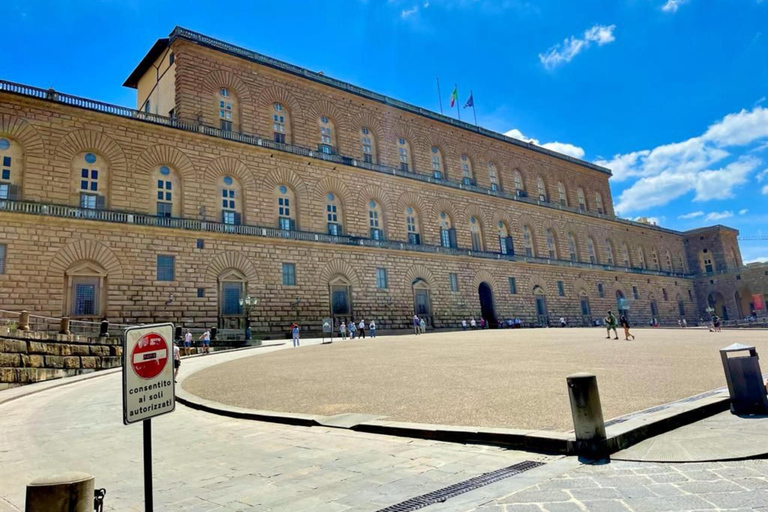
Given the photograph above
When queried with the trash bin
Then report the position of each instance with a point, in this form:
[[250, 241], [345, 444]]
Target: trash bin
[[745, 381]]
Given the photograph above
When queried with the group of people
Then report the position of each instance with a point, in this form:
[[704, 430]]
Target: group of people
[[480, 324], [356, 330], [419, 325], [610, 325]]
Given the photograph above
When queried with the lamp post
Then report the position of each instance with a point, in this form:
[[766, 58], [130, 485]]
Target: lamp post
[[247, 304]]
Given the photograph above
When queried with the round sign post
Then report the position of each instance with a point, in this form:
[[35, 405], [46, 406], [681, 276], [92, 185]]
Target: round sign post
[[149, 356]]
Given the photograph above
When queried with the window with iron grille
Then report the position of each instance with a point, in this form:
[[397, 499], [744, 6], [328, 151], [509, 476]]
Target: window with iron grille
[[454, 282], [381, 278], [3, 249], [289, 274], [560, 289], [512, 286]]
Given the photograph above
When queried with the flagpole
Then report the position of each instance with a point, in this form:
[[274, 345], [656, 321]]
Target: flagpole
[[474, 112], [439, 95], [458, 111]]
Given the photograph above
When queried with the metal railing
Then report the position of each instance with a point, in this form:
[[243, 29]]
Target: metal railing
[[51, 325], [72, 212], [255, 140]]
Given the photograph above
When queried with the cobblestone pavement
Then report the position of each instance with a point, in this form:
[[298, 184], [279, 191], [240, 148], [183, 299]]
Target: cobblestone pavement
[[644, 487], [204, 462]]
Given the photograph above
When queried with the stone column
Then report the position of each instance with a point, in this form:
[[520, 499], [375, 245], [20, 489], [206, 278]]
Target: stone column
[[64, 326], [588, 423], [68, 492]]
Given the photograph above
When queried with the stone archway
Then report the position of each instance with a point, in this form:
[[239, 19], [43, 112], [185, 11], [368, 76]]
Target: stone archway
[[542, 311], [487, 310], [716, 301], [422, 300]]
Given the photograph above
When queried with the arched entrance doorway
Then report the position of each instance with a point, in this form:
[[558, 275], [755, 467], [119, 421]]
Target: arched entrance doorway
[[716, 301], [542, 312], [680, 307], [422, 304], [486, 303], [340, 289], [654, 310], [744, 302], [622, 304], [586, 312]]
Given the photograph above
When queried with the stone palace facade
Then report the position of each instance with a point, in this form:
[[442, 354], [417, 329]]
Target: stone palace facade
[[238, 176]]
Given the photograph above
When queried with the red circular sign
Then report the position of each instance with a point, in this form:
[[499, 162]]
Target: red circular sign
[[149, 356]]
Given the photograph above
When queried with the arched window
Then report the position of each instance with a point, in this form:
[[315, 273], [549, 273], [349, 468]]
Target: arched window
[[519, 184], [369, 146], [641, 258], [563, 197], [582, 200], [599, 202], [375, 220], [413, 225], [11, 167], [591, 250], [528, 241], [404, 155], [231, 200], [281, 123], [438, 170], [86, 294], [551, 244], [506, 246], [541, 187], [91, 175], [227, 109], [467, 175], [572, 248], [286, 208], [493, 176], [625, 255], [327, 135], [167, 192], [476, 232], [447, 231], [655, 259], [608, 252], [334, 215], [668, 261]]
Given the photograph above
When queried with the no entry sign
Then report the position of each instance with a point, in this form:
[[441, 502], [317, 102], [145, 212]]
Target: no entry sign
[[148, 388]]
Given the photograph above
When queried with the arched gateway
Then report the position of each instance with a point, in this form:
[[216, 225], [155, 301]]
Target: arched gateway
[[487, 310]]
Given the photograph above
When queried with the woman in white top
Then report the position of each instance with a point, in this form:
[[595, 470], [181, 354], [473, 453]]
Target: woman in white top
[[343, 330]]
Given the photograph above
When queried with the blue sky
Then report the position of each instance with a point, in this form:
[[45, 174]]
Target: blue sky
[[670, 94]]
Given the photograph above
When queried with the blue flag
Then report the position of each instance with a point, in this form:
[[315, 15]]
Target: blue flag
[[470, 101]]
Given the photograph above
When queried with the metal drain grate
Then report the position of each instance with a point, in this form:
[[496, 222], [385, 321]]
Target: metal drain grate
[[451, 491]]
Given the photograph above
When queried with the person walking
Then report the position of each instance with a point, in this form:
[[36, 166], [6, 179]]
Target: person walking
[[473, 323], [625, 324], [352, 329], [343, 330], [176, 361], [188, 339], [415, 324], [361, 328], [422, 326], [562, 322], [295, 333], [610, 323], [372, 329], [685, 323], [206, 337], [463, 324]]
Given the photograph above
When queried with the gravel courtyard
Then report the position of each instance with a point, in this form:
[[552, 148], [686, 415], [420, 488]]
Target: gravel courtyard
[[492, 378]]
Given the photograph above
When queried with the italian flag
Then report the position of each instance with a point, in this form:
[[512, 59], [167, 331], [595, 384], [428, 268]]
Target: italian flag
[[454, 95]]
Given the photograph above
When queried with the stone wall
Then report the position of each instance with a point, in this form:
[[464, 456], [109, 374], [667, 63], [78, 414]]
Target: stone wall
[[27, 357], [735, 288]]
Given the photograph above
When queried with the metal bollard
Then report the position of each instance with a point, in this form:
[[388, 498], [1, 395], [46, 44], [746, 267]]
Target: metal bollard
[[588, 423], [24, 321], [64, 326], [104, 328], [68, 492]]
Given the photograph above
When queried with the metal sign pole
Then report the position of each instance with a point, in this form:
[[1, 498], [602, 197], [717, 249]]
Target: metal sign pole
[[148, 504]]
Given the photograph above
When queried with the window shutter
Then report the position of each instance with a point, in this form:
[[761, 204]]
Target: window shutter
[[101, 202], [223, 216], [14, 193], [510, 246], [452, 236], [237, 218]]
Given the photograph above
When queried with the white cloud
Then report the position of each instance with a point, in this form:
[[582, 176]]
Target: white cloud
[[649, 220], [762, 175], [719, 215], [559, 147], [691, 215], [671, 170], [572, 46], [673, 5], [407, 13], [760, 259], [765, 190], [743, 211]]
